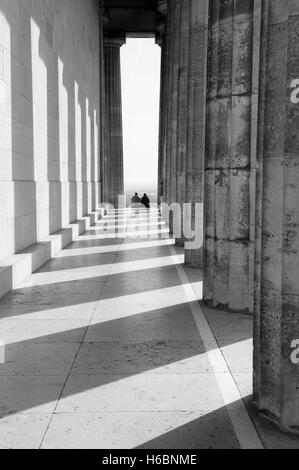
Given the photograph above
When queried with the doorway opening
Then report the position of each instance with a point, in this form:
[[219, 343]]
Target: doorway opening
[[140, 68]]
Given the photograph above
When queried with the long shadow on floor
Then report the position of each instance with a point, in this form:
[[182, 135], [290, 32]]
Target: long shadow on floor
[[144, 430], [141, 338], [99, 259], [35, 298], [115, 352], [210, 431]]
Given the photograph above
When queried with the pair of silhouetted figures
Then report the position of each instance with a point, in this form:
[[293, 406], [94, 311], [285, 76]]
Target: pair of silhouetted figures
[[137, 202]]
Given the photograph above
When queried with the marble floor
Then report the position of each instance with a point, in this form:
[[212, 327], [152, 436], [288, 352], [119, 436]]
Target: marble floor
[[106, 346]]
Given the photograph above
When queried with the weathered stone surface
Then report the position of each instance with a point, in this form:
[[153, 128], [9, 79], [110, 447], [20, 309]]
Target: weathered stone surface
[[197, 86], [49, 118], [276, 375], [182, 127], [230, 181], [229, 140]]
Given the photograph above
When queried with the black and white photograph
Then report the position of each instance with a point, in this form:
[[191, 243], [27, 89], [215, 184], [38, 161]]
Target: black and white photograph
[[149, 229]]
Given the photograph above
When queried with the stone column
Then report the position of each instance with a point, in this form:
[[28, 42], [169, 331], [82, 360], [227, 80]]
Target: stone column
[[176, 6], [113, 106], [172, 73], [276, 332], [168, 86], [229, 165], [102, 154], [196, 119], [182, 109], [161, 173], [161, 41]]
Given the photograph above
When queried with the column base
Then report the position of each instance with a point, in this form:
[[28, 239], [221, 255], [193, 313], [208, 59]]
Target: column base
[[292, 430], [180, 242], [194, 258]]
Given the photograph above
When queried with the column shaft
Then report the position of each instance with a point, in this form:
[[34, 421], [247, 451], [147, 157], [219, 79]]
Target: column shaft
[[197, 84], [162, 124], [102, 154], [229, 170], [182, 109], [176, 6], [169, 80], [172, 74], [276, 332]]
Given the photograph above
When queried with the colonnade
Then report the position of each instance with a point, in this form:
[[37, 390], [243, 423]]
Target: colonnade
[[183, 103], [229, 141]]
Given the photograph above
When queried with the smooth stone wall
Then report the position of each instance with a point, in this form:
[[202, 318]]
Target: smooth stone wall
[[49, 116]]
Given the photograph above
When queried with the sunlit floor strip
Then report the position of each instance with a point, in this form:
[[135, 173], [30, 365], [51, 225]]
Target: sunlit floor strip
[[177, 387], [94, 250], [103, 310], [119, 219], [164, 233], [243, 426], [92, 272], [131, 225]]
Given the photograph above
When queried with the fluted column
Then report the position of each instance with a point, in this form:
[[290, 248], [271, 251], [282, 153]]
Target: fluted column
[[196, 120], [162, 126], [102, 154], [168, 86], [172, 91], [161, 41], [230, 162], [182, 109], [176, 6], [276, 332], [114, 134]]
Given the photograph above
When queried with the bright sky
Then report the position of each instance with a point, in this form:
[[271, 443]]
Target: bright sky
[[140, 60]]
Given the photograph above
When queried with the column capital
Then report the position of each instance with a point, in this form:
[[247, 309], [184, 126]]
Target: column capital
[[162, 7], [160, 31], [114, 40]]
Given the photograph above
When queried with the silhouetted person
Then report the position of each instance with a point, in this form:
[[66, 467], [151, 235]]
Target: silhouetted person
[[135, 200], [161, 200], [136, 203], [145, 201]]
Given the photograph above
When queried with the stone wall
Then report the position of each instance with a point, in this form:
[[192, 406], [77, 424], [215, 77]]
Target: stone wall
[[49, 117]]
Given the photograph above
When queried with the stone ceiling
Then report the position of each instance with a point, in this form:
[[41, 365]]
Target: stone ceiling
[[133, 18]]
